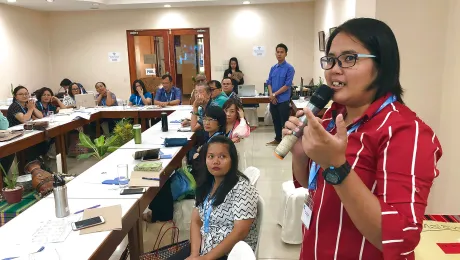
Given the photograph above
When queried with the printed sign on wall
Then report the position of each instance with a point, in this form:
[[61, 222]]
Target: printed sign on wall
[[114, 57], [258, 51]]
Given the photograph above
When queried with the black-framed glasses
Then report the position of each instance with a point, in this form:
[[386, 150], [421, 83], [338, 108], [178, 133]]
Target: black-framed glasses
[[208, 119], [344, 61]]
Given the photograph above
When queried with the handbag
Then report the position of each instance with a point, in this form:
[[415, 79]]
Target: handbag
[[171, 142], [182, 184]]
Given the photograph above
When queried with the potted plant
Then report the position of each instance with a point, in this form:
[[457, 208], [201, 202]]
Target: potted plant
[[100, 146], [124, 131], [12, 192]]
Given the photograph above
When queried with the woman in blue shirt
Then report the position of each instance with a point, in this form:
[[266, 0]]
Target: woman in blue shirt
[[45, 99], [140, 96]]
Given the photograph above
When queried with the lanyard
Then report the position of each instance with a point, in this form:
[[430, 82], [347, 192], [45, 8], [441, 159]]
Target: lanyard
[[103, 101], [215, 134], [207, 208], [138, 100], [45, 110], [22, 108], [170, 96], [312, 178]]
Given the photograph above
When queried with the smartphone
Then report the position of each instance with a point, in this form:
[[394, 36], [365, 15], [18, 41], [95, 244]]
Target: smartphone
[[87, 223], [152, 154], [132, 191]]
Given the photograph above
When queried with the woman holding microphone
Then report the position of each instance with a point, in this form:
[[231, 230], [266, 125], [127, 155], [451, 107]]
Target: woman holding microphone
[[370, 162]]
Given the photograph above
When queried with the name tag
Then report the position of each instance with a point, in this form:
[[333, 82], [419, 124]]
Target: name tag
[[306, 216]]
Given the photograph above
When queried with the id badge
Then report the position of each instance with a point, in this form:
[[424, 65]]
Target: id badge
[[306, 216]]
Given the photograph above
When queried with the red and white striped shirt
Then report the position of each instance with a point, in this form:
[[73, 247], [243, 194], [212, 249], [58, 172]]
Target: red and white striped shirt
[[395, 155]]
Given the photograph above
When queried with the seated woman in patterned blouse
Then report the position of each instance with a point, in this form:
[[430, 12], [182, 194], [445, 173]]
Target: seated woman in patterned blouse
[[226, 205], [69, 100]]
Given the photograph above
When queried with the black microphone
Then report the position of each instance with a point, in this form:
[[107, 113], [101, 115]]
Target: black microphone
[[317, 102]]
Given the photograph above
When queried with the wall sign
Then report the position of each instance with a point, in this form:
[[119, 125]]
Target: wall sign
[[258, 51], [114, 57], [150, 72]]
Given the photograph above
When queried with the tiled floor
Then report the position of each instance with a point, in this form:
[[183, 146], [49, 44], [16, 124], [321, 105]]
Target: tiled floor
[[252, 152]]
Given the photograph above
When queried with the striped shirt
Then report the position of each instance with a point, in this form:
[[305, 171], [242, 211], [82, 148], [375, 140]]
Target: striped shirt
[[395, 155]]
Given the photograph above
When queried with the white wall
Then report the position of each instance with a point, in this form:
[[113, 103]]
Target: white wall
[[24, 49], [80, 41]]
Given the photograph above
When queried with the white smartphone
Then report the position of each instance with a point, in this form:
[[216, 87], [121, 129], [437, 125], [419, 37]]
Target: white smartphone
[[87, 223]]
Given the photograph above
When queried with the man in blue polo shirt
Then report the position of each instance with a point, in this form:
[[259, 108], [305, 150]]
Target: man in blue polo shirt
[[279, 89], [169, 95]]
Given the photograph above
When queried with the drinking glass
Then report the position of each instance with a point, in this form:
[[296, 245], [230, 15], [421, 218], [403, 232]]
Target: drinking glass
[[122, 170], [51, 116]]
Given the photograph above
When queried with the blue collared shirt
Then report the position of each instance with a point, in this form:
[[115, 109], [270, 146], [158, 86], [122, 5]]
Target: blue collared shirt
[[281, 75], [174, 94]]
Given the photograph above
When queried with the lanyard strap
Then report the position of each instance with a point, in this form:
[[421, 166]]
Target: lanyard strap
[[313, 176], [170, 96], [138, 100], [207, 213], [103, 101], [23, 110], [45, 110], [215, 134]]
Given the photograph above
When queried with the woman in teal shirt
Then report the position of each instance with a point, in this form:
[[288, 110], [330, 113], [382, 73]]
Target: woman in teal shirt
[[3, 122], [140, 96]]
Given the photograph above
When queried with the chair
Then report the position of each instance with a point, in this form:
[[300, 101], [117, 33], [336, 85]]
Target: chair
[[290, 212], [260, 213], [241, 251], [253, 174]]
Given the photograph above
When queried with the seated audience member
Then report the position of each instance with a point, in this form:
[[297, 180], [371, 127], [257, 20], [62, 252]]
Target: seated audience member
[[227, 88], [6, 161], [168, 95], [140, 97], [69, 100], [237, 126], [45, 97], [104, 97], [66, 83], [217, 95], [199, 78], [202, 101], [234, 73], [22, 109], [226, 205]]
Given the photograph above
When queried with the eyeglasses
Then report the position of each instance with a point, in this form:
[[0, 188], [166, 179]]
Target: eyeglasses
[[209, 120], [23, 94], [344, 60]]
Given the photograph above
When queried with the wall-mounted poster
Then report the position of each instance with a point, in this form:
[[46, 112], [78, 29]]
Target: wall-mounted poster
[[322, 41]]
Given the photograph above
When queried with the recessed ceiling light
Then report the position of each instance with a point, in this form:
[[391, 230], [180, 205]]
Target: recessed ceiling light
[[246, 2], [49, 1], [95, 4], [11, 1], [167, 6]]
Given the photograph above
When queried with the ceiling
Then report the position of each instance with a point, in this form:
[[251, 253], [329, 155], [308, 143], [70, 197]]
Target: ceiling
[[81, 5]]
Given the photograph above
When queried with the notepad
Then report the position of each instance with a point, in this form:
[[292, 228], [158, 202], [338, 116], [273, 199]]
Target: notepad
[[137, 181], [111, 215], [436, 238]]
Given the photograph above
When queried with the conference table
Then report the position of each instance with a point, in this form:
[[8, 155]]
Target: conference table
[[87, 190]]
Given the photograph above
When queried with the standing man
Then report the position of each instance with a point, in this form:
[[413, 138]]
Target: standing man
[[169, 95], [279, 90]]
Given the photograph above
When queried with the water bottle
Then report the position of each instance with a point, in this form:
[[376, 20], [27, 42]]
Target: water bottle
[[265, 89], [164, 122], [61, 201], [137, 134]]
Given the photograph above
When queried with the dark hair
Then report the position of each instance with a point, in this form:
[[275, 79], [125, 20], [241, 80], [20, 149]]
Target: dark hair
[[216, 83], [70, 90], [282, 45], [234, 101], [95, 85], [226, 78], [206, 179], [206, 86], [66, 82], [41, 91], [16, 89], [237, 64], [217, 113], [378, 38], [140, 83], [168, 77]]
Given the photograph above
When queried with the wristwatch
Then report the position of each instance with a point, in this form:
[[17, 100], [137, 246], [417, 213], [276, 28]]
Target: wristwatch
[[335, 176]]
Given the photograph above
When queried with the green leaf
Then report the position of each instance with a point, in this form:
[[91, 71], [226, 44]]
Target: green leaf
[[85, 156], [85, 141], [3, 170], [112, 149], [99, 142], [111, 140]]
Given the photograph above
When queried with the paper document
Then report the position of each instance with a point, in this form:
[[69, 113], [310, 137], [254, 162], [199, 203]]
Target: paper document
[[111, 215], [137, 181], [53, 231], [437, 232]]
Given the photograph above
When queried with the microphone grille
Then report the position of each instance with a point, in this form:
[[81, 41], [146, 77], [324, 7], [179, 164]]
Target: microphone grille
[[322, 96]]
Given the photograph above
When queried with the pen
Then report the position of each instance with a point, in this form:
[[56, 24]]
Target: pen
[[151, 179], [14, 257], [93, 207]]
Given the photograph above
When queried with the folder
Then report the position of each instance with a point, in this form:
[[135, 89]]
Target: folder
[[112, 216], [136, 179]]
